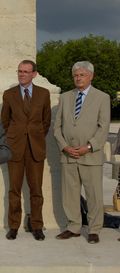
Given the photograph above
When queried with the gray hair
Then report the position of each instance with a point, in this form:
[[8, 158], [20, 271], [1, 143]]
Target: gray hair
[[84, 64]]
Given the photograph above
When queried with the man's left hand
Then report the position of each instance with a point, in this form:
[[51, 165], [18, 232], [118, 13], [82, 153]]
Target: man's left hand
[[82, 150]]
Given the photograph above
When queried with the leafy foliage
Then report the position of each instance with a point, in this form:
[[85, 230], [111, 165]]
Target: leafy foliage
[[56, 59]]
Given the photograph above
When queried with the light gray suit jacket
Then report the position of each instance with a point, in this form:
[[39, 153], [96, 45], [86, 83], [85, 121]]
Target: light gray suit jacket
[[92, 125]]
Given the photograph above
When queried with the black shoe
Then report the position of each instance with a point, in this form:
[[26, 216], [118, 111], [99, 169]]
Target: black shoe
[[93, 238], [67, 234], [38, 234], [12, 233]]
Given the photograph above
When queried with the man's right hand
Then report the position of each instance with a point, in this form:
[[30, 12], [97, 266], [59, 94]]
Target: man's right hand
[[72, 151]]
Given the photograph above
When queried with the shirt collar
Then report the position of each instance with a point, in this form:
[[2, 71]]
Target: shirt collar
[[85, 92]]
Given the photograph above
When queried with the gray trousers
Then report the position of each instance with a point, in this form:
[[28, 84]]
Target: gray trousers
[[73, 177]]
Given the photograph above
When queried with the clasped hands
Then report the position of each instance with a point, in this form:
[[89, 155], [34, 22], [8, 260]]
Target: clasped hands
[[76, 152]]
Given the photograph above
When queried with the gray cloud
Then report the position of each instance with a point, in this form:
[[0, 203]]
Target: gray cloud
[[69, 19]]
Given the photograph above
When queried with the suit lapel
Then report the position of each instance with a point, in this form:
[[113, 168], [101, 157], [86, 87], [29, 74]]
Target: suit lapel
[[34, 99], [18, 96], [19, 100], [73, 94], [34, 96]]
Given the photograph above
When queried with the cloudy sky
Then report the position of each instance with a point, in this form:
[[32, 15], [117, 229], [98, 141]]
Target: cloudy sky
[[73, 19]]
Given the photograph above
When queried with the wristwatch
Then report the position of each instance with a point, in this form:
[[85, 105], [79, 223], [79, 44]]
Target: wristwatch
[[89, 147]]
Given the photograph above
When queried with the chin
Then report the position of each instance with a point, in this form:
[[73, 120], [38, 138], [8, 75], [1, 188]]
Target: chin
[[23, 83], [80, 87]]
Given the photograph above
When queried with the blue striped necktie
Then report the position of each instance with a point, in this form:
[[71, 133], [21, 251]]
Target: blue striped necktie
[[78, 104]]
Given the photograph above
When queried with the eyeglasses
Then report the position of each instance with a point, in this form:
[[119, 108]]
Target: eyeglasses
[[24, 72], [80, 75]]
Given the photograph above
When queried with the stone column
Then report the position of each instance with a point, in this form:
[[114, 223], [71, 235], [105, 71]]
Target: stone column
[[17, 37], [18, 42]]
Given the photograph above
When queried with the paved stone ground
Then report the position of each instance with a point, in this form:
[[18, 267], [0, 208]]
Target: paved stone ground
[[56, 256], [74, 256]]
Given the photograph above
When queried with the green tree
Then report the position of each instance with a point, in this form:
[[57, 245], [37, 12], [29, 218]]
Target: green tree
[[56, 59]]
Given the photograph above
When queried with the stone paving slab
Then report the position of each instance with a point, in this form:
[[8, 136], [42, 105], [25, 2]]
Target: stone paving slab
[[75, 255], [53, 255]]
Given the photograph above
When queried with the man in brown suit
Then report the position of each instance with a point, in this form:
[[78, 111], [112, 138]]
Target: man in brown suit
[[26, 116]]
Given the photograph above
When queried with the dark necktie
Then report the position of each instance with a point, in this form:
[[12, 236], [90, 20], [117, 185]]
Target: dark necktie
[[26, 101], [78, 104]]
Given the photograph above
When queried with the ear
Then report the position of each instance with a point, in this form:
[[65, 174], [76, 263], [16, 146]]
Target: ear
[[91, 76], [34, 74]]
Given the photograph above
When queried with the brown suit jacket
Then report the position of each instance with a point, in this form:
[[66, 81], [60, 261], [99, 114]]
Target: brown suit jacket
[[18, 126]]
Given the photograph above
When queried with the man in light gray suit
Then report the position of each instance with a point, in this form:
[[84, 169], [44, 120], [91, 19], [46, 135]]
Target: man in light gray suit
[[81, 137]]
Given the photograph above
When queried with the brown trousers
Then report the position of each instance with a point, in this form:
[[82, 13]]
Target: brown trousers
[[34, 176]]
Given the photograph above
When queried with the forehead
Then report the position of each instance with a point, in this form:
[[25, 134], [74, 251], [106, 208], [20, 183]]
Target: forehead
[[25, 66]]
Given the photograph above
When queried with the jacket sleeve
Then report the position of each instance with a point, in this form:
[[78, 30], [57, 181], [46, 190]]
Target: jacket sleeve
[[5, 152], [58, 126], [98, 140], [47, 114], [5, 112]]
